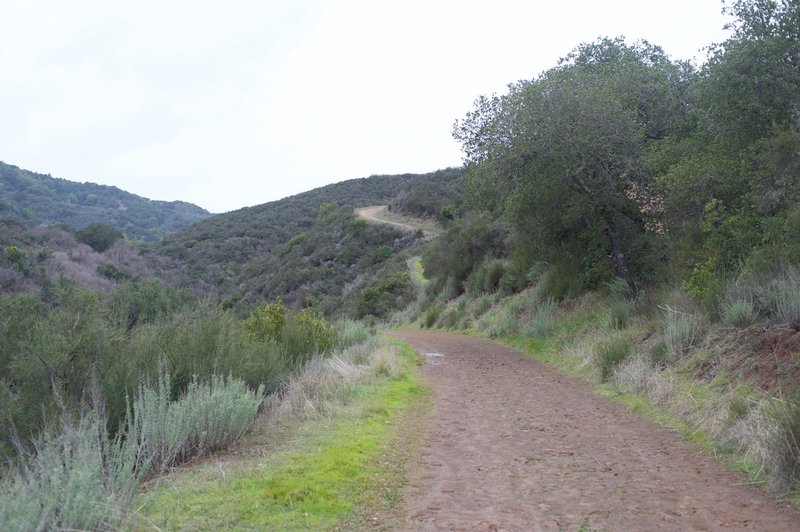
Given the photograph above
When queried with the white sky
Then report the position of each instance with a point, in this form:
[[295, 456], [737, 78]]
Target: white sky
[[235, 103]]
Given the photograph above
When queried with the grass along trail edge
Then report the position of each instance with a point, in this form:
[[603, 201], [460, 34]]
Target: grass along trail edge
[[340, 472]]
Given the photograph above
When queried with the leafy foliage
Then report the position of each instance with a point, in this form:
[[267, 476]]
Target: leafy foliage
[[98, 236], [562, 155], [625, 163], [454, 256]]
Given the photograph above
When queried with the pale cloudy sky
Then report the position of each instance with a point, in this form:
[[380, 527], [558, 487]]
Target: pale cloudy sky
[[235, 103]]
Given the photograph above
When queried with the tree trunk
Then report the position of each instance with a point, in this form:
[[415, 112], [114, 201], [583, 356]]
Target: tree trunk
[[617, 253]]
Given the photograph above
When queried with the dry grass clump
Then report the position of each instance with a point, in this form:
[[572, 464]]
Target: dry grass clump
[[636, 374], [609, 354], [326, 384], [541, 323], [682, 330], [774, 437]]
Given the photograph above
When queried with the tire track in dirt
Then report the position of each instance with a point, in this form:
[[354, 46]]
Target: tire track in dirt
[[515, 445]]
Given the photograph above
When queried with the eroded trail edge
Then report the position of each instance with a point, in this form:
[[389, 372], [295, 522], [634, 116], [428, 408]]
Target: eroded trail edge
[[515, 445]]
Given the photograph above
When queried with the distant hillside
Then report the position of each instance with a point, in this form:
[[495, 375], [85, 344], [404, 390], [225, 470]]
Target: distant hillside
[[41, 199], [310, 249]]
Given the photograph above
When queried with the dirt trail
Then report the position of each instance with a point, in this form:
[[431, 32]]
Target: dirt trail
[[380, 214], [515, 445]]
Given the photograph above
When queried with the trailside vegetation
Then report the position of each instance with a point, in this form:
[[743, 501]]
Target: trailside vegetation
[[634, 219], [622, 162], [100, 392]]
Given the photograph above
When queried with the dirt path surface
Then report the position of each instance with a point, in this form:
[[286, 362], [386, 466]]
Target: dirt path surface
[[515, 445], [380, 214]]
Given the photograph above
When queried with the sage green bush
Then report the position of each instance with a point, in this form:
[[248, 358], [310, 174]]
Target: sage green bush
[[76, 479], [209, 416], [739, 313], [681, 331], [783, 298]]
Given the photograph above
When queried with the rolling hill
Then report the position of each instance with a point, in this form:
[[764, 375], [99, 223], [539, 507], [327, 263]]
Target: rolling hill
[[42, 199], [311, 249]]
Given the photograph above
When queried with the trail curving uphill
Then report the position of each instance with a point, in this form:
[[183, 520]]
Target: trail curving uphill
[[381, 214], [515, 445]]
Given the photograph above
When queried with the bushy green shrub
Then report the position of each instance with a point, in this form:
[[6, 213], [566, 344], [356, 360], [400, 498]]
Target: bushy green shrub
[[739, 313], [110, 271], [51, 356], [301, 334], [145, 301], [392, 292], [266, 323], [618, 288], [609, 354], [560, 281], [707, 285], [99, 236], [209, 416], [306, 333], [486, 277], [535, 272], [76, 479]]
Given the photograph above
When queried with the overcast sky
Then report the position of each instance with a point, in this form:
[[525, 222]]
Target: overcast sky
[[235, 103]]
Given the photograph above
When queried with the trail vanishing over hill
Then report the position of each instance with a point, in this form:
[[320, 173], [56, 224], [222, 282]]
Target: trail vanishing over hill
[[515, 445]]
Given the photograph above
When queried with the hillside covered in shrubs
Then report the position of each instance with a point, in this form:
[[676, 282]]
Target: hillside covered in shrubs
[[38, 199], [312, 250]]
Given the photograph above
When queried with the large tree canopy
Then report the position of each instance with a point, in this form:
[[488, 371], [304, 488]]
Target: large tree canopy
[[562, 155], [619, 157]]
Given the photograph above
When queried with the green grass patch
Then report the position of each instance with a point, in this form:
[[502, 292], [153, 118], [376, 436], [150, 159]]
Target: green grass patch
[[326, 473]]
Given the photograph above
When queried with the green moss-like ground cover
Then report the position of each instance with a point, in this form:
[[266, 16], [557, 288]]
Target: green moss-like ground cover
[[325, 474]]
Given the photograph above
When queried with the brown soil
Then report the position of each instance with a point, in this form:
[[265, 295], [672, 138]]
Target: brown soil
[[767, 357], [380, 214], [515, 445]]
